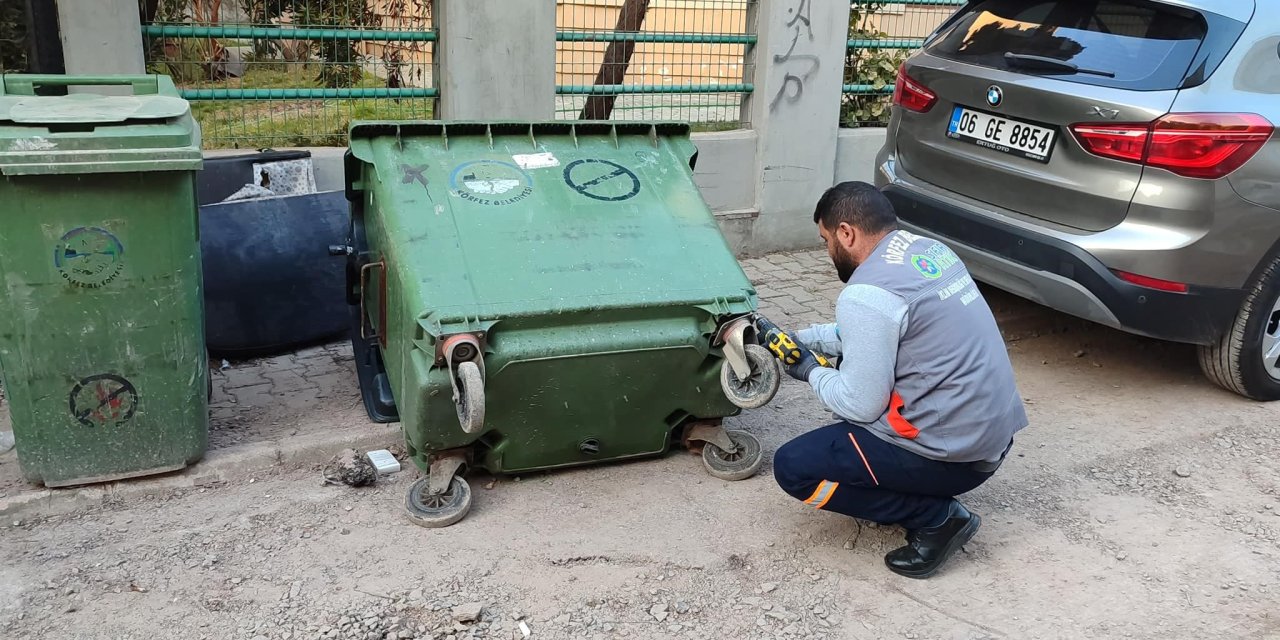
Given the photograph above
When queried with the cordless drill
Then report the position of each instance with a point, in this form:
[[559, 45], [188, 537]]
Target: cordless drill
[[784, 346]]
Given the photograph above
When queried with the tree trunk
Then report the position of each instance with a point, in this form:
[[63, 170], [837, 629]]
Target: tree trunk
[[617, 57]]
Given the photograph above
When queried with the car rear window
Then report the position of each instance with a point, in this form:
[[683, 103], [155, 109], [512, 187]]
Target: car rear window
[[1130, 44]]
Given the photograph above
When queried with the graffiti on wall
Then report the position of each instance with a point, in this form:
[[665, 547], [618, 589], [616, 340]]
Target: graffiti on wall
[[798, 66]]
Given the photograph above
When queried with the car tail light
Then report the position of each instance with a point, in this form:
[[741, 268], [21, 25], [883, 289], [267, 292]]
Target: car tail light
[[1152, 283], [912, 95], [1195, 145]]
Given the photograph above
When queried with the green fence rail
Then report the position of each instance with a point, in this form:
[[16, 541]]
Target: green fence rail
[[307, 94], [283, 33], [624, 89], [672, 38]]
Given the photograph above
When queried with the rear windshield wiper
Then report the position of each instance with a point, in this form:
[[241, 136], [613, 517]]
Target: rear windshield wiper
[[1028, 61]]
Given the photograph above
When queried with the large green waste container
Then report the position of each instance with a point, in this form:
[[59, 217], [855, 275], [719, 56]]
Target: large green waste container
[[101, 319], [540, 295]]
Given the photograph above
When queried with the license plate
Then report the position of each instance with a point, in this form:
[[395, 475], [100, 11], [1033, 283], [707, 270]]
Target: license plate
[[1002, 134]]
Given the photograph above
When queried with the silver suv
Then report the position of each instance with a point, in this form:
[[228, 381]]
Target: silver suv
[[1112, 159]]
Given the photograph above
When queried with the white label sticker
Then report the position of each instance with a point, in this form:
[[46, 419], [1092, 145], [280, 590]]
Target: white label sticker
[[536, 160]]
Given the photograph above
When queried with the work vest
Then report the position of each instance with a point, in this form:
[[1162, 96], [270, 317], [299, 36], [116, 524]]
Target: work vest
[[954, 396]]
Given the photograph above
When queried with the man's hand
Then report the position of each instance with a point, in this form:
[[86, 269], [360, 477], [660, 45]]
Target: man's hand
[[797, 358], [801, 369]]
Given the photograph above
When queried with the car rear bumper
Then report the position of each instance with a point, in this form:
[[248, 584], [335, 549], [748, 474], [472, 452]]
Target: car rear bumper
[[1062, 275]]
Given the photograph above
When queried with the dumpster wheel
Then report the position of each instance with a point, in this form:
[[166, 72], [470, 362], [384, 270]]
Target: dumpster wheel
[[435, 511], [738, 465], [470, 397], [759, 387]]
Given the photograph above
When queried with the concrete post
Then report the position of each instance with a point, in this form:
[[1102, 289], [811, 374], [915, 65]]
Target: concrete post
[[795, 110], [497, 59], [101, 37]]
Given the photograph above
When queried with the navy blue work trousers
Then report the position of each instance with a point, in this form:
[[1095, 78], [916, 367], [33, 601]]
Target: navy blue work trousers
[[844, 468]]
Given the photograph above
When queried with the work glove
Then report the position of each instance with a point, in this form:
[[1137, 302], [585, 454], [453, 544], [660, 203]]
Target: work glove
[[802, 367]]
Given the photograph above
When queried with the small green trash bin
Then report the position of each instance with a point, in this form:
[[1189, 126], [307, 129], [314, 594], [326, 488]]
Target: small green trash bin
[[543, 295], [101, 316]]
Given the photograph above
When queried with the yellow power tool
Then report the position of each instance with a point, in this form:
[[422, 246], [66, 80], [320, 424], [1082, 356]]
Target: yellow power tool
[[783, 346]]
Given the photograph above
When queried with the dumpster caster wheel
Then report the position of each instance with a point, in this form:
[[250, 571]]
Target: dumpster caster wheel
[[738, 465], [470, 400], [759, 387], [435, 511]]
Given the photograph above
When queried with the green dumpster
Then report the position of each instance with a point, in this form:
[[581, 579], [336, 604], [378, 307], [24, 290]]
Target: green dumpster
[[101, 318], [530, 296]]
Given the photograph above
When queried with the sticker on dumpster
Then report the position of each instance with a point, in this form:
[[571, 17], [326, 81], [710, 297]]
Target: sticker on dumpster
[[89, 257], [536, 160], [490, 182], [103, 400], [601, 179]]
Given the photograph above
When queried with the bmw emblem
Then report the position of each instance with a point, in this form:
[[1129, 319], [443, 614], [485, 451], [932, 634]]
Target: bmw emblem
[[995, 95]]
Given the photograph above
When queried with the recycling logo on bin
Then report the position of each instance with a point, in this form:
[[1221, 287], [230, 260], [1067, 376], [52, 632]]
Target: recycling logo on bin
[[490, 182], [89, 257], [601, 179], [103, 400]]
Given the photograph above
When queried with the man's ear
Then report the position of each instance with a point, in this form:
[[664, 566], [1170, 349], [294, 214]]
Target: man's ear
[[846, 235]]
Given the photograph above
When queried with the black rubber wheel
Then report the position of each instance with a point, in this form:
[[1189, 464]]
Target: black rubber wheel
[[1246, 360], [470, 397], [740, 464], [759, 387], [433, 512]]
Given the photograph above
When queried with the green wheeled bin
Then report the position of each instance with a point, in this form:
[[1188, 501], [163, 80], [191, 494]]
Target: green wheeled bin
[[101, 316], [530, 296]]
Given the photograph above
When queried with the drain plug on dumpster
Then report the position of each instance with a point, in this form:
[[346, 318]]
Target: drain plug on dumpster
[[590, 446]]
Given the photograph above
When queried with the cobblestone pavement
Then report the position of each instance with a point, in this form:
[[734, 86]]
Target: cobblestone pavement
[[302, 392]]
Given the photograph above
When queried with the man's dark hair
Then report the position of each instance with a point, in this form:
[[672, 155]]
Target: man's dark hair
[[859, 204]]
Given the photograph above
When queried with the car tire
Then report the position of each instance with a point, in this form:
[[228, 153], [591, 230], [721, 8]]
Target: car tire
[[1236, 361]]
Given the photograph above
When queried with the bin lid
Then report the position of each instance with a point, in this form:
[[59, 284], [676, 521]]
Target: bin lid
[[500, 220], [149, 128]]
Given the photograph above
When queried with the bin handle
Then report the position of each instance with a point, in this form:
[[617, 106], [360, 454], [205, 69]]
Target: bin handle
[[26, 84], [364, 319]]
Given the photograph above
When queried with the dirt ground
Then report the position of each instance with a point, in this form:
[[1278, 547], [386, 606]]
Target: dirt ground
[[1141, 503]]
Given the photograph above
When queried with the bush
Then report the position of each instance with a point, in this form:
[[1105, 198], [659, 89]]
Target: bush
[[872, 66], [13, 36]]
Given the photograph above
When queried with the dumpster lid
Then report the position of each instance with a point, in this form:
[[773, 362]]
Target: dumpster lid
[[533, 219], [89, 108], [149, 128]]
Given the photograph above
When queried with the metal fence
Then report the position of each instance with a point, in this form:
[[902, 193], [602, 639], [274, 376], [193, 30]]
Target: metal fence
[[274, 73], [14, 48], [277, 73], [655, 60], [881, 36]]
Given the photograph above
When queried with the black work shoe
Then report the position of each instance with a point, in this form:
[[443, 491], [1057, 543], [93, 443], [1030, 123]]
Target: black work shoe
[[928, 549]]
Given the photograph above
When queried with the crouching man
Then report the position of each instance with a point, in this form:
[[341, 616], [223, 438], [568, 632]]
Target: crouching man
[[924, 386]]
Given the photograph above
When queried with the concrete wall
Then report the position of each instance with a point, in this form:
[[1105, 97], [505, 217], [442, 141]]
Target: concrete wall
[[101, 36], [495, 59], [856, 151]]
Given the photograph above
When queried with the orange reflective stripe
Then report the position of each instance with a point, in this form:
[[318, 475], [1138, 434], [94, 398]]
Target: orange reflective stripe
[[901, 425], [822, 494], [864, 458], [831, 492], [816, 493]]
